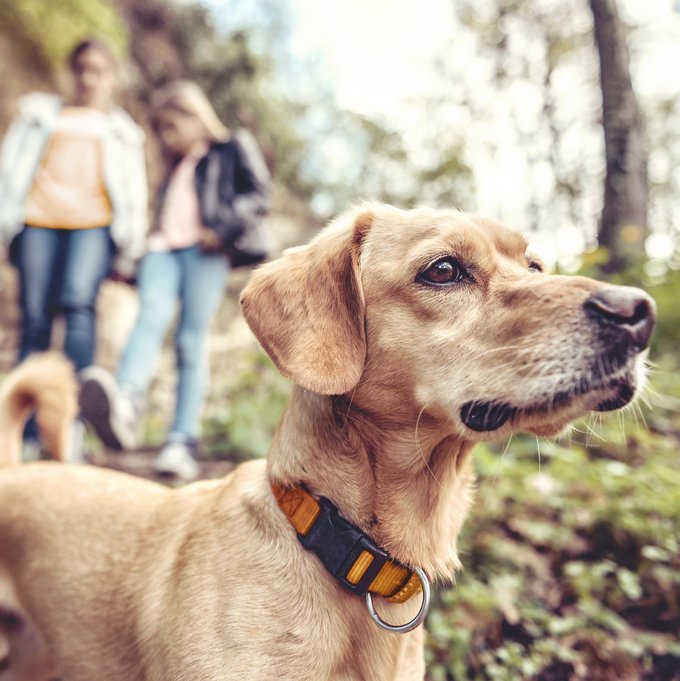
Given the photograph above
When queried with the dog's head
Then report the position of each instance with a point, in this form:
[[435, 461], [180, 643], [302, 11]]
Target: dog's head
[[445, 317]]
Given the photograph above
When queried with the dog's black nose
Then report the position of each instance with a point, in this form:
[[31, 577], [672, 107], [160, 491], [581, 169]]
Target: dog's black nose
[[625, 308]]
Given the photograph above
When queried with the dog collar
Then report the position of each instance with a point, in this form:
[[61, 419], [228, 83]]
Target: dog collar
[[346, 552]]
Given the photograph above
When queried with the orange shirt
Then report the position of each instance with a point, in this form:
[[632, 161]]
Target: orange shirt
[[69, 189]]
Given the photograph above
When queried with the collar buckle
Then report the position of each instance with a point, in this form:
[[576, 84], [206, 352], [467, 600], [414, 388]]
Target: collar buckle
[[339, 545]]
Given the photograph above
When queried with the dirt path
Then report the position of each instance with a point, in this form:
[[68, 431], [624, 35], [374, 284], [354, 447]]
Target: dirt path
[[140, 463]]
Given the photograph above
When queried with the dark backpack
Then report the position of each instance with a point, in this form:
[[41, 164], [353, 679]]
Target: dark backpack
[[232, 185]]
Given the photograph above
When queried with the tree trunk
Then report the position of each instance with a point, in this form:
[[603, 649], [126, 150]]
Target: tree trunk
[[623, 225]]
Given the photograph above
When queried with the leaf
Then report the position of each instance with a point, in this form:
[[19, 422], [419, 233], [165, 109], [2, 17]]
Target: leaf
[[629, 583]]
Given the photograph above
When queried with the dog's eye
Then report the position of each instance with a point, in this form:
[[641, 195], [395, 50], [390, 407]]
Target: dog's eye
[[443, 271], [535, 266]]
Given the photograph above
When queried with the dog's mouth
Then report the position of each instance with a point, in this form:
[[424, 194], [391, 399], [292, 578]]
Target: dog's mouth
[[485, 417], [609, 387]]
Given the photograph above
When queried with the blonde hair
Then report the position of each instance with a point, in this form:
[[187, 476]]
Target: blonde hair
[[188, 98]]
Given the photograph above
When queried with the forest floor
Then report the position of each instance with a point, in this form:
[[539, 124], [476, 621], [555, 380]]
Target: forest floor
[[140, 462]]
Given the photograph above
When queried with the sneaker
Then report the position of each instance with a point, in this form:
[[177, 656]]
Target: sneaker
[[31, 450], [110, 411], [177, 460], [76, 448]]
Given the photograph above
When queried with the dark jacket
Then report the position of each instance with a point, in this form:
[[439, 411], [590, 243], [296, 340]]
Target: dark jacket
[[232, 187]]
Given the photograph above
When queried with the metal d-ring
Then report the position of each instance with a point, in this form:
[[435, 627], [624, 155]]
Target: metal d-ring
[[417, 620]]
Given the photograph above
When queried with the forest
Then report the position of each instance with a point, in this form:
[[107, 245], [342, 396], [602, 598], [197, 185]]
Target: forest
[[539, 114]]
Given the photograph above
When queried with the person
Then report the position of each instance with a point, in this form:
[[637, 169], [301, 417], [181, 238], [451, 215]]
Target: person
[[185, 262], [73, 197]]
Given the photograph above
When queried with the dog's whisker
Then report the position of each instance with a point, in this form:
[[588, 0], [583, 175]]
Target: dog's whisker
[[496, 471], [589, 429], [645, 397], [599, 423], [622, 425], [349, 409], [652, 397], [639, 411], [634, 413], [580, 431], [592, 430], [504, 348], [420, 450]]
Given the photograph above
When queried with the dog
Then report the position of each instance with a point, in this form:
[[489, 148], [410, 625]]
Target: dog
[[45, 383], [409, 336]]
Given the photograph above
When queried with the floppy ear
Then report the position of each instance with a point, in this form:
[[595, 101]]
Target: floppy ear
[[307, 309]]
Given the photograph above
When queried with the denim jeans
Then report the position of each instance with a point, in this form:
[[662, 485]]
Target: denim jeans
[[60, 271], [197, 280]]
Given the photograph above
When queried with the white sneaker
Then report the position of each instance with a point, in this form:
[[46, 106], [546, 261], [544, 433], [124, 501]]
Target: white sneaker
[[176, 460], [76, 448], [109, 411], [31, 450]]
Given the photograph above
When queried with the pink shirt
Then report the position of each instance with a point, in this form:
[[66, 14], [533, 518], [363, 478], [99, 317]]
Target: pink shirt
[[179, 221]]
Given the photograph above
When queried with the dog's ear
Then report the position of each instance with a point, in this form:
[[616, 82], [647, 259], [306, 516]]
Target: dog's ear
[[307, 309]]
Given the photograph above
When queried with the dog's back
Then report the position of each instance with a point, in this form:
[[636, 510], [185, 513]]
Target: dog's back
[[45, 384]]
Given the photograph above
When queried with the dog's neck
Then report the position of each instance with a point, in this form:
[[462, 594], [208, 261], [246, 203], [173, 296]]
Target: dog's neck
[[408, 488]]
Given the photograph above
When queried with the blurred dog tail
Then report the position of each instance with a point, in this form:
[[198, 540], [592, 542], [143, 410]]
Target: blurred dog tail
[[45, 383]]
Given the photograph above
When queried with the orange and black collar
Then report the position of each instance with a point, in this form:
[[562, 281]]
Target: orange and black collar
[[346, 552]]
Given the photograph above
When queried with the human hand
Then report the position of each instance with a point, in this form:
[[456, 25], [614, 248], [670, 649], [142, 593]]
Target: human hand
[[124, 270], [210, 240]]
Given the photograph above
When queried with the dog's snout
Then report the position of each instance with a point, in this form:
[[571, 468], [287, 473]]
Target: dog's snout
[[625, 307]]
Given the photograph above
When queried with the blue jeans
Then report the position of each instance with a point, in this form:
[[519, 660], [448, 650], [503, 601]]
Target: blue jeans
[[198, 281], [60, 271]]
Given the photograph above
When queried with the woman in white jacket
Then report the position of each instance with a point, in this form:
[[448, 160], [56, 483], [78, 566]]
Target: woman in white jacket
[[73, 196]]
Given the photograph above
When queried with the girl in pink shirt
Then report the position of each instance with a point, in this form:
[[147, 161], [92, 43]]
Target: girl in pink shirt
[[185, 263]]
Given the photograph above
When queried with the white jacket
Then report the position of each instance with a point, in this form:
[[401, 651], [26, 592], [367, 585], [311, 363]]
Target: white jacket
[[124, 170]]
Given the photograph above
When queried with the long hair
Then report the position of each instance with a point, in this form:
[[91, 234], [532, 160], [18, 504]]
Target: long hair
[[187, 97]]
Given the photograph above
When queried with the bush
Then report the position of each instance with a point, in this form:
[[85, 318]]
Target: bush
[[49, 29], [244, 416]]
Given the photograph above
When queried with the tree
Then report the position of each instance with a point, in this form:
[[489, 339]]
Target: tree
[[556, 82], [523, 74], [623, 224]]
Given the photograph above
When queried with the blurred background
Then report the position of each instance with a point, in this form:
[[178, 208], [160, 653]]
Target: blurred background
[[561, 118]]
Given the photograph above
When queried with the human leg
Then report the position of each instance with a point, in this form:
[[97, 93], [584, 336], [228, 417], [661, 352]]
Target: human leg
[[38, 255], [37, 263], [113, 405], [203, 283], [84, 261], [87, 260], [159, 287]]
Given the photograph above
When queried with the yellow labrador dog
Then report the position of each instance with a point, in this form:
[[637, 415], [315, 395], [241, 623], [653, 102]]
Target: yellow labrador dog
[[409, 335]]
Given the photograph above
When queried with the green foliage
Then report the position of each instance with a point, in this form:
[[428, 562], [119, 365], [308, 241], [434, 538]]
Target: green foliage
[[572, 565], [665, 292], [48, 29], [244, 416]]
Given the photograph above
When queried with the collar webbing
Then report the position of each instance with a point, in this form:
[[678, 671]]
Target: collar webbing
[[346, 552]]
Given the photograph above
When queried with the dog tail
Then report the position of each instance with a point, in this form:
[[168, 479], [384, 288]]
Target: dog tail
[[44, 383]]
